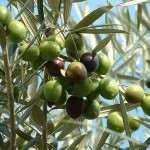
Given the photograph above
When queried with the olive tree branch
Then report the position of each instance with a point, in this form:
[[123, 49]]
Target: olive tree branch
[[10, 98], [44, 129]]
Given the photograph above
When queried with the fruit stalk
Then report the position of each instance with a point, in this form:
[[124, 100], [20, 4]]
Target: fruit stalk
[[10, 99], [44, 129]]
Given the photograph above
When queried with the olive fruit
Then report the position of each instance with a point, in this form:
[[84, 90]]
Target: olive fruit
[[94, 92], [31, 54], [6, 16], [146, 105], [148, 82], [75, 106], [49, 50], [115, 122], [76, 72], [57, 39], [90, 61], [133, 124], [53, 90], [104, 64], [134, 94], [36, 64], [16, 31], [74, 42], [81, 89], [108, 88], [92, 110], [53, 67]]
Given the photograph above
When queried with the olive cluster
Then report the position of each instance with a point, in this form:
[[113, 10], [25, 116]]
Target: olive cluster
[[16, 30], [79, 87]]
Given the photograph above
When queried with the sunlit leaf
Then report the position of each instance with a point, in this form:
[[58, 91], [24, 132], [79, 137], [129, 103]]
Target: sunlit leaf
[[54, 5], [25, 115], [31, 142], [125, 118], [100, 31], [67, 10], [102, 140], [102, 44], [93, 16], [133, 2]]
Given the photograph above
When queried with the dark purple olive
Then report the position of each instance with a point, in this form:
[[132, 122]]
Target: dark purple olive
[[147, 82], [90, 61], [75, 106], [53, 67]]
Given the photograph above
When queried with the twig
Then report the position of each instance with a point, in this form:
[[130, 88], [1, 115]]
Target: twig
[[44, 129], [10, 99]]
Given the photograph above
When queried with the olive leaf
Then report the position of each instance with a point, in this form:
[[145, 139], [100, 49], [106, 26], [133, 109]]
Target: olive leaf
[[102, 140], [102, 44], [99, 31], [93, 16], [67, 10], [125, 118], [37, 115]]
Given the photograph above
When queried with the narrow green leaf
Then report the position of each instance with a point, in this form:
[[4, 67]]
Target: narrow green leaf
[[145, 23], [67, 10], [76, 142], [62, 122], [113, 146], [116, 107], [100, 31], [25, 5], [25, 115], [84, 140], [125, 118], [93, 16], [54, 5], [34, 99], [139, 13], [146, 144], [30, 5], [143, 123], [38, 115], [102, 140], [133, 2], [67, 131], [31, 142], [102, 44], [27, 19]]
